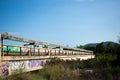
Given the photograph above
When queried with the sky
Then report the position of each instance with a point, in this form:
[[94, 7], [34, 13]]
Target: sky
[[64, 22]]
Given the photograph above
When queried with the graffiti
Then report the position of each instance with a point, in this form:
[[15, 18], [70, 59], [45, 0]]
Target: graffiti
[[35, 63], [5, 69], [17, 65]]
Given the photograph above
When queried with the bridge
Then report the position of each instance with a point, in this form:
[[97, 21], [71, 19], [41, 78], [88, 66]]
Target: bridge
[[31, 56]]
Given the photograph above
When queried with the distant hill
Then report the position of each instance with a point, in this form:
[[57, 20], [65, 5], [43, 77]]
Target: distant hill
[[95, 44], [91, 44]]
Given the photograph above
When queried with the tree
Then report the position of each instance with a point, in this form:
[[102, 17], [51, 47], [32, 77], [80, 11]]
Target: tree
[[45, 46], [90, 48], [100, 48], [110, 47], [118, 50], [81, 47]]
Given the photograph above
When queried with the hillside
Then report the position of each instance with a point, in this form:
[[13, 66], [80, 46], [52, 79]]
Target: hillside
[[95, 44]]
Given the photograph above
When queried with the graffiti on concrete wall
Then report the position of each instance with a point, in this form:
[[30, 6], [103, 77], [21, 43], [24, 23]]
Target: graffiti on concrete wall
[[17, 65], [35, 63], [14, 66], [5, 69]]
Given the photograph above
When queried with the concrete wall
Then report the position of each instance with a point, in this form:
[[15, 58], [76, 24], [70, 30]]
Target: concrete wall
[[11, 67], [14, 64]]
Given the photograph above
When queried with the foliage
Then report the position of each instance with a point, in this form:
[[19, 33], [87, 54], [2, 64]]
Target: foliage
[[90, 48], [45, 46], [101, 48], [81, 47]]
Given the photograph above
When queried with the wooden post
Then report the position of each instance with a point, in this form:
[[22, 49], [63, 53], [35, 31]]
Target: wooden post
[[0, 56]]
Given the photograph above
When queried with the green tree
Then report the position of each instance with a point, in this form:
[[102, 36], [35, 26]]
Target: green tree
[[45, 46], [81, 47], [90, 48], [100, 48], [110, 48]]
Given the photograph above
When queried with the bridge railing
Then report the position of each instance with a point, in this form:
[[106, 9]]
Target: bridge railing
[[11, 50]]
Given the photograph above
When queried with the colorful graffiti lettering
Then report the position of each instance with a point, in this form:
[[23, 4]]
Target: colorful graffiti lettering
[[5, 69], [35, 63], [18, 65]]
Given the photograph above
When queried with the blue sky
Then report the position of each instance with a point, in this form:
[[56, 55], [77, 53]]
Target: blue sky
[[65, 22]]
